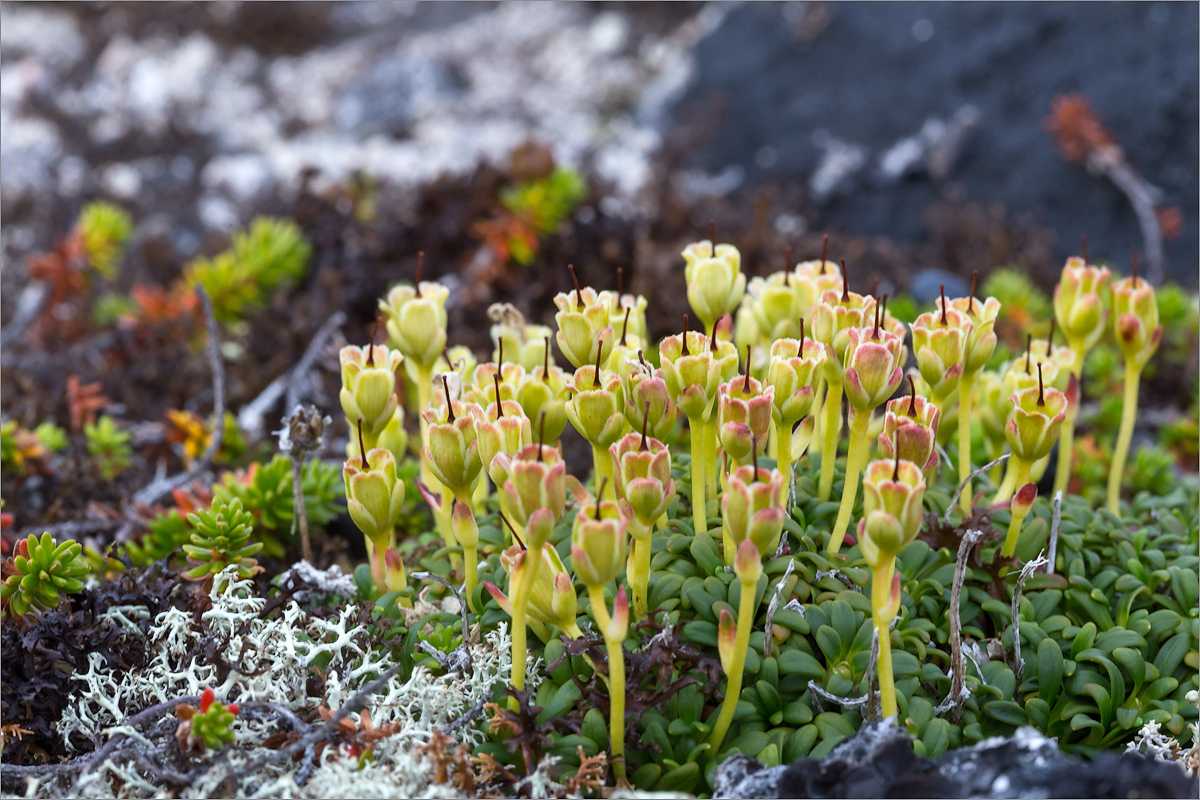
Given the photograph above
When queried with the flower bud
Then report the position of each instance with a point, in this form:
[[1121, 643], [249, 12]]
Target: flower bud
[[893, 491], [584, 326], [743, 416], [536, 480], [910, 425], [396, 578], [466, 530], [692, 377], [873, 367], [453, 452], [596, 406], [416, 321], [726, 638], [747, 564], [374, 495], [646, 388], [544, 391], [753, 507], [981, 341], [832, 318], [635, 305], [642, 467], [599, 543], [1022, 502], [777, 302], [368, 385], [1034, 422], [1135, 319], [618, 625], [1078, 306], [940, 341], [793, 372], [715, 283]]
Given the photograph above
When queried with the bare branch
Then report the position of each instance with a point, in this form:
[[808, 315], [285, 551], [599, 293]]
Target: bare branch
[[769, 639], [962, 486], [1026, 571]]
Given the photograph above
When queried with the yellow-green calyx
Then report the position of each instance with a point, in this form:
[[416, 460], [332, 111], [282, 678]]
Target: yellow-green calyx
[[375, 499], [715, 283], [1033, 423], [416, 322], [910, 425], [599, 543], [940, 341], [368, 387], [453, 452], [1135, 319], [1078, 304], [752, 509], [584, 330], [744, 408]]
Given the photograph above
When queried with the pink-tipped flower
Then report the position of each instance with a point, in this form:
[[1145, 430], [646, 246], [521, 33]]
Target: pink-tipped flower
[[642, 467], [416, 321], [502, 428], [544, 391], [981, 342], [599, 543], [753, 507], [743, 416], [692, 371], [552, 599], [793, 372], [1135, 319], [645, 388], [618, 626], [374, 495], [453, 452], [833, 317], [910, 425], [893, 491], [873, 367], [395, 576], [1078, 304], [1022, 502], [940, 340], [536, 480], [747, 563]]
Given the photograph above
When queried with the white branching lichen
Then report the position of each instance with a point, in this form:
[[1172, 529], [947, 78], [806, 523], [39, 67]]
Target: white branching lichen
[[277, 656]]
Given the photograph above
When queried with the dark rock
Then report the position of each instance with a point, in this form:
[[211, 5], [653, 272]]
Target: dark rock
[[791, 78], [926, 285], [879, 761], [389, 96]]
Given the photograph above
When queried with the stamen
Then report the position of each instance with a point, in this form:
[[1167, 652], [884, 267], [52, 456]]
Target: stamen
[[420, 264], [642, 361], [599, 353], [575, 280], [449, 402], [625, 327], [645, 419], [896, 448], [1083, 248], [942, 289], [800, 349], [912, 398], [1041, 387], [599, 494], [1028, 350], [500, 354], [824, 250], [845, 284], [499, 405], [362, 447], [1050, 338], [683, 336], [971, 301], [546, 360], [746, 386], [875, 330]]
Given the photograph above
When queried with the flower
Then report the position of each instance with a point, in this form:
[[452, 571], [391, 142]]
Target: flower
[[744, 409], [1034, 422], [552, 599], [1078, 307], [833, 317], [910, 425], [584, 328], [536, 480], [453, 452], [940, 341], [752, 507], [1135, 319], [692, 371], [416, 321], [596, 407], [374, 495], [872, 366], [599, 543], [715, 283], [642, 466], [893, 491], [647, 398], [500, 428], [981, 341], [793, 372]]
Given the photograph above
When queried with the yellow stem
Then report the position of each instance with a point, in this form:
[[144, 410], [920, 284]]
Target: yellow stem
[[881, 594], [783, 435], [1014, 527], [699, 515], [616, 682], [829, 431], [818, 400], [710, 457], [964, 439], [639, 579], [1133, 374], [1009, 485], [472, 554], [1066, 437], [520, 602], [854, 459], [733, 689]]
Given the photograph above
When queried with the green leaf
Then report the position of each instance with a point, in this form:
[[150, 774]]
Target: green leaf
[[700, 632], [830, 724], [937, 737], [1005, 711], [1171, 654], [704, 552], [1050, 670], [800, 742]]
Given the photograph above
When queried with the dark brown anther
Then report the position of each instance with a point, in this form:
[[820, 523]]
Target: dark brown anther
[[845, 283], [599, 353], [942, 290], [1041, 387], [800, 349], [971, 302], [746, 385], [541, 434], [712, 236], [896, 447], [546, 360], [362, 446], [620, 281], [625, 327], [1028, 351], [499, 405], [645, 420], [449, 402], [599, 494], [371, 344], [1050, 338], [575, 280], [683, 336], [420, 264], [824, 250], [1135, 275], [1083, 248], [912, 398]]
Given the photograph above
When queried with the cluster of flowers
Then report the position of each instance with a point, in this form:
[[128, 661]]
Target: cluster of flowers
[[809, 343]]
